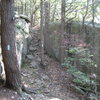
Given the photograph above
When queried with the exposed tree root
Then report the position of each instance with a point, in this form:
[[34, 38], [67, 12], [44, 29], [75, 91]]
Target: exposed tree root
[[24, 93], [28, 90], [25, 96]]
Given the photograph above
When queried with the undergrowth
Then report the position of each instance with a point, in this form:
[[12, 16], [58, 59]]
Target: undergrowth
[[83, 82]]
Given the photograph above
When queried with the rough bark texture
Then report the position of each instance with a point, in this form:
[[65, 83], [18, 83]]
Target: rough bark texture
[[62, 47], [47, 42], [13, 75], [42, 30]]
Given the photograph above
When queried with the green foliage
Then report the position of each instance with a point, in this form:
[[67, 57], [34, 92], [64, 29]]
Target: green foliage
[[75, 9], [87, 61], [72, 50], [83, 82]]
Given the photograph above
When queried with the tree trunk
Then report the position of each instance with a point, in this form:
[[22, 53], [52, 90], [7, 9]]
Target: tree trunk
[[42, 32], [93, 13], [47, 41], [8, 43], [55, 7], [62, 47]]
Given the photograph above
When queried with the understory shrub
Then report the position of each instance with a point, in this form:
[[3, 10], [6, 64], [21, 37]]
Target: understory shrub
[[83, 82]]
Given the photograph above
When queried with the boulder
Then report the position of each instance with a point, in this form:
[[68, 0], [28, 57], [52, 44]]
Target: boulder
[[22, 33], [35, 64], [2, 73], [30, 57]]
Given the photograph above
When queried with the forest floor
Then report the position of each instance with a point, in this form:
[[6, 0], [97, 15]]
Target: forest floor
[[51, 83]]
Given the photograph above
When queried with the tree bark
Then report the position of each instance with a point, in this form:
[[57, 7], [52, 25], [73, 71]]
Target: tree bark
[[62, 47], [54, 11], [42, 31], [93, 13], [8, 43], [84, 17], [47, 41]]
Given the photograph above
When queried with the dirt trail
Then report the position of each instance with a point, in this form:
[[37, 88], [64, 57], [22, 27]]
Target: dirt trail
[[51, 83], [54, 81], [60, 80]]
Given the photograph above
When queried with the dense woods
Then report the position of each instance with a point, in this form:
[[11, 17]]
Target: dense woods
[[51, 49]]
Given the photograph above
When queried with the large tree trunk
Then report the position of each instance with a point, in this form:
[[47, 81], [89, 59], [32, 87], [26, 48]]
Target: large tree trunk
[[13, 75]]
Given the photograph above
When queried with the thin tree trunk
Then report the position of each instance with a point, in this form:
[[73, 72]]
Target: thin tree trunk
[[33, 16], [93, 14], [25, 8], [62, 48], [85, 15], [53, 15], [22, 10], [42, 31], [8, 43], [47, 40]]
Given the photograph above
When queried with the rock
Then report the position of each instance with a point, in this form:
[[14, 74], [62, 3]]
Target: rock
[[46, 91], [34, 64], [32, 48], [30, 57], [38, 59], [39, 82], [29, 39], [2, 73], [54, 99], [45, 77], [22, 34], [25, 96], [43, 97], [12, 97], [45, 63], [40, 97]]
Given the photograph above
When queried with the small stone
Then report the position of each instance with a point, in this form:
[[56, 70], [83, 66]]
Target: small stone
[[45, 77], [34, 64], [12, 97], [15, 93], [4, 90], [38, 59], [32, 48], [39, 82], [30, 57], [40, 97]]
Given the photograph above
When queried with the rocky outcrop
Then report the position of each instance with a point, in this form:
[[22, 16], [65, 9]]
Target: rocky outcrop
[[22, 34]]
